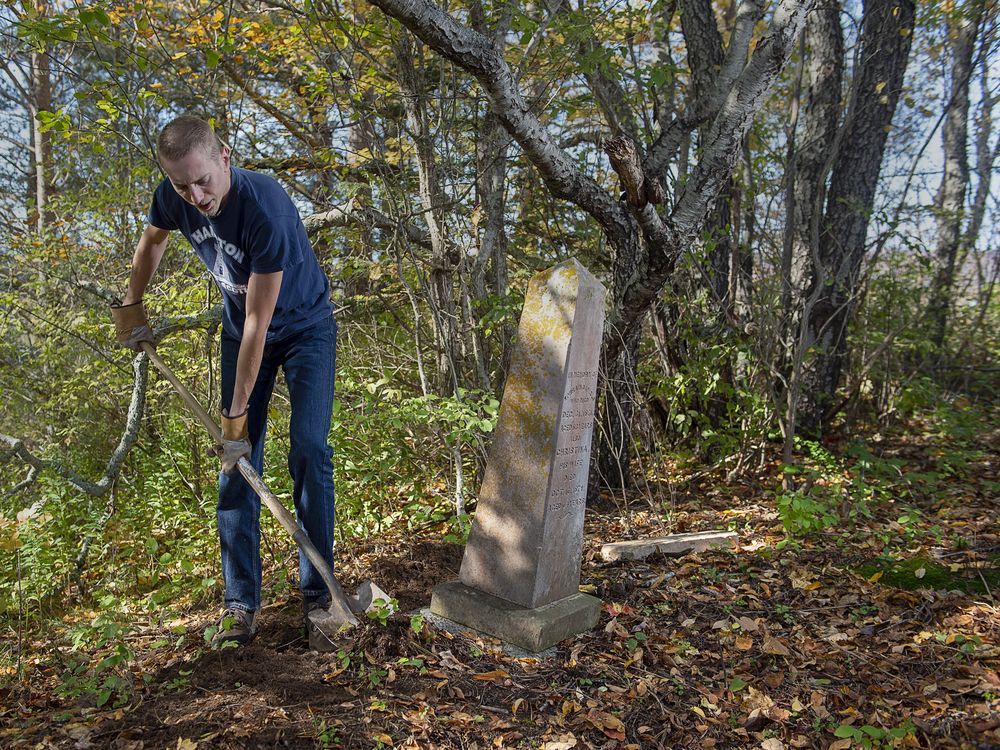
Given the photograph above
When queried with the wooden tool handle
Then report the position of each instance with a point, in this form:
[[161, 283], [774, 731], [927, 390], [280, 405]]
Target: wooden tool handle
[[338, 601]]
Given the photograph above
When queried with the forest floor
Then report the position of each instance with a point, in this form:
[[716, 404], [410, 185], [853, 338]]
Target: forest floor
[[817, 642]]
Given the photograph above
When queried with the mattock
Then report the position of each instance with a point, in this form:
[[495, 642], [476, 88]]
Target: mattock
[[342, 610]]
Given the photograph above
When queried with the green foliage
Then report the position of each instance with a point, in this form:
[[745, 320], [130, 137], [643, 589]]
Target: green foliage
[[381, 610], [712, 410], [388, 447], [101, 674], [876, 738]]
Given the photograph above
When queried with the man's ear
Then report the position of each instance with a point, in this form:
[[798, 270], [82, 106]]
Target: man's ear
[[224, 153]]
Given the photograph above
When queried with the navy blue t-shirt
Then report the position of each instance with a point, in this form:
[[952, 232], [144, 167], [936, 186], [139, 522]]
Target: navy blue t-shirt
[[258, 230]]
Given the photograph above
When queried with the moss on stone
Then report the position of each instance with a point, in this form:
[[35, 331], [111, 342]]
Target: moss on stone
[[905, 574]]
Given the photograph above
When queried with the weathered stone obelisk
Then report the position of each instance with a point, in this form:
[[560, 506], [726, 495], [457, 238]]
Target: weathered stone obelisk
[[520, 574]]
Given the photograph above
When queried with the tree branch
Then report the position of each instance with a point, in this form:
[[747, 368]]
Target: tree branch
[[736, 115], [706, 54], [14, 446], [476, 54], [354, 212]]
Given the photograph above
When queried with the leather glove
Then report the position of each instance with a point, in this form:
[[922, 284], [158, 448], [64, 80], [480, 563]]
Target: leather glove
[[235, 442], [131, 325]]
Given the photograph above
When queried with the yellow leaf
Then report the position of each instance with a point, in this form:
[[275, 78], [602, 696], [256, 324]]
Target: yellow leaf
[[877, 577], [383, 738], [879, 86], [569, 707]]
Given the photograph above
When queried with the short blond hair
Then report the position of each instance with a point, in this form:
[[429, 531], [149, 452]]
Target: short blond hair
[[183, 135]]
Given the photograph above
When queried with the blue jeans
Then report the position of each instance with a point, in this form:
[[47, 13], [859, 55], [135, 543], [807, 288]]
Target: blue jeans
[[309, 359]]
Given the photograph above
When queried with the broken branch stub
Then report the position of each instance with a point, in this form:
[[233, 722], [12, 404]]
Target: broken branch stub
[[640, 188]]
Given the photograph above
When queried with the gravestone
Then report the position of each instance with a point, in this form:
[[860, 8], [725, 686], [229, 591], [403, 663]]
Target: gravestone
[[520, 574]]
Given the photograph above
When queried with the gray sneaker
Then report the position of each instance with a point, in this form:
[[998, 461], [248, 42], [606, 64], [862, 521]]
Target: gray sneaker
[[235, 626]]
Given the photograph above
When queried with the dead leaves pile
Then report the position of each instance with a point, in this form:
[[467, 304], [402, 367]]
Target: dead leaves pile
[[756, 647]]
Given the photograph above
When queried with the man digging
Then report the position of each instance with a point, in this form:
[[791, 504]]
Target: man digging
[[276, 313]]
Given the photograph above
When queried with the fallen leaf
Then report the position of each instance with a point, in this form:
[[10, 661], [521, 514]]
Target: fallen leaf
[[744, 642], [563, 742], [755, 699], [497, 675], [748, 625], [611, 725], [774, 646]]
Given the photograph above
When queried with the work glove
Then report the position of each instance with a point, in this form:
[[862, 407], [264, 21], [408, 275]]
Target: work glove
[[131, 325], [235, 442]]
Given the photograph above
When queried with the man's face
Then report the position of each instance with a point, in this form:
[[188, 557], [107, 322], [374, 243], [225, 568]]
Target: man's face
[[200, 179]]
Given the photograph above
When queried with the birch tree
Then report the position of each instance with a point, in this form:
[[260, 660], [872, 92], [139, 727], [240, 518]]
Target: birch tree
[[646, 242], [962, 27]]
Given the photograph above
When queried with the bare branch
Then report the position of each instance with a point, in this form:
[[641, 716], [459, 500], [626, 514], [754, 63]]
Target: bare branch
[[353, 212], [14, 446], [737, 113], [476, 54]]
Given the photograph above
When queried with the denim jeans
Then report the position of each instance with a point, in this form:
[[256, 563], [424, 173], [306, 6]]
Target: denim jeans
[[309, 360]]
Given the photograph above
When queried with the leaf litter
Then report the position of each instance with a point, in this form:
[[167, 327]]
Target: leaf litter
[[770, 645]]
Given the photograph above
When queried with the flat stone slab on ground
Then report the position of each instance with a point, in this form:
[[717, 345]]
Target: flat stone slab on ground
[[532, 629], [674, 545]]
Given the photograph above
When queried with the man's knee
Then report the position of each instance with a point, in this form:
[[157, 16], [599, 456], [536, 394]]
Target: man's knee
[[309, 453]]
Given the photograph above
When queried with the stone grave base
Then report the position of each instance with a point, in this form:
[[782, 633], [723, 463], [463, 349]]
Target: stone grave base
[[531, 629]]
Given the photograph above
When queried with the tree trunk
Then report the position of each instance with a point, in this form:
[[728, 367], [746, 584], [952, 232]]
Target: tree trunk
[[820, 117], [645, 245], [440, 293], [489, 266], [887, 30], [41, 101], [949, 205], [810, 153], [705, 58]]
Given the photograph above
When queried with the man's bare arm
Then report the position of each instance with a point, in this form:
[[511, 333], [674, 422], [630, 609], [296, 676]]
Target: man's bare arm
[[145, 261], [262, 295]]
